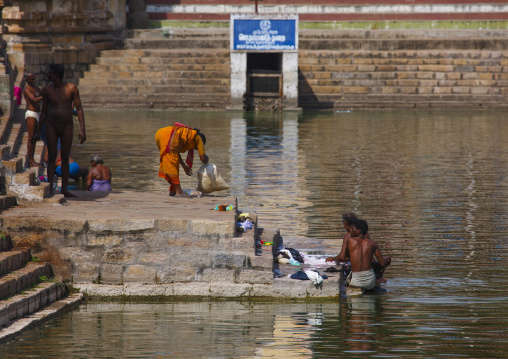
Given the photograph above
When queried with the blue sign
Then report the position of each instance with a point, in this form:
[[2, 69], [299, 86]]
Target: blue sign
[[264, 34]]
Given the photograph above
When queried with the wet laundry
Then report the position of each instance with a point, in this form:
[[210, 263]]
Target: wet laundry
[[312, 275]]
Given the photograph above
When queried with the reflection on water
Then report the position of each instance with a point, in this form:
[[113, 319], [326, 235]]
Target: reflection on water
[[372, 326], [432, 186]]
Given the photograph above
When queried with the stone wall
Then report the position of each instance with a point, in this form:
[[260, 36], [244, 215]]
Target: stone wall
[[72, 32]]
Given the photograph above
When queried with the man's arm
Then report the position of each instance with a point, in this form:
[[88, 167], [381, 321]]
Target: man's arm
[[379, 256], [30, 96], [81, 116], [44, 113], [344, 253]]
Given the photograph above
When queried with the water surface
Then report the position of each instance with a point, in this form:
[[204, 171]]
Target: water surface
[[431, 185]]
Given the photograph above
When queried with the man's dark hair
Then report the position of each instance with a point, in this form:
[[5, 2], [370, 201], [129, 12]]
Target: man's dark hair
[[202, 135], [360, 224], [347, 217], [57, 69]]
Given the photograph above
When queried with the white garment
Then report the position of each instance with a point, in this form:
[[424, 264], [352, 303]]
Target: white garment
[[365, 279], [314, 276], [33, 114]]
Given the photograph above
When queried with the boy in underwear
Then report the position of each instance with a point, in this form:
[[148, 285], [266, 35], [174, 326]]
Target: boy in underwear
[[360, 250], [33, 98], [58, 101]]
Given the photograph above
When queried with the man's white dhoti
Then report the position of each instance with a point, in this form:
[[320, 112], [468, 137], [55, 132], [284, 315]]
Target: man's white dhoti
[[365, 279], [33, 114]]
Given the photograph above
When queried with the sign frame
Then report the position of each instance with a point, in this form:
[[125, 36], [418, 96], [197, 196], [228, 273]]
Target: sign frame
[[263, 33]]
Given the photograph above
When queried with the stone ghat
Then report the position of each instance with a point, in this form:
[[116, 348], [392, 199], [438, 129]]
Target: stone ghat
[[132, 244]]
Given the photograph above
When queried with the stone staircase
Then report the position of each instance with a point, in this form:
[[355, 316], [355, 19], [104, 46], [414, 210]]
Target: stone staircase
[[185, 69], [28, 292], [19, 183], [338, 69], [403, 70]]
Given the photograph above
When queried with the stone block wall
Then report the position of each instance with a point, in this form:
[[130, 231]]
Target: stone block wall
[[40, 32], [143, 251]]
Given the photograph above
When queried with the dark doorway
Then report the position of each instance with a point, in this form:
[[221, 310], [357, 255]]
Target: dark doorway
[[264, 80]]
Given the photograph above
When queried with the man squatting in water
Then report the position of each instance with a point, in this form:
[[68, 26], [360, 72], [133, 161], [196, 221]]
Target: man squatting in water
[[360, 249]]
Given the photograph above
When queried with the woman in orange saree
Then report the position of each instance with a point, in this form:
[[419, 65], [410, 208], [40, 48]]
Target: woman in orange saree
[[172, 141]]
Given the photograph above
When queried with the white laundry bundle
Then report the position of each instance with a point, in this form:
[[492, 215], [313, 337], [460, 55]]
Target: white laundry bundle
[[210, 180]]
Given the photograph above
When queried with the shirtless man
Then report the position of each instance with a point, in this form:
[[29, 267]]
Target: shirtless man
[[360, 250], [58, 101], [99, 176], [33, 98]]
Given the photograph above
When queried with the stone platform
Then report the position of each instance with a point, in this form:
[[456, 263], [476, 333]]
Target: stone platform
[[121, 244]]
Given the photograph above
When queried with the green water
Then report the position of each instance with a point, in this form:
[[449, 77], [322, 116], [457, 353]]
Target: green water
[[432, 186]]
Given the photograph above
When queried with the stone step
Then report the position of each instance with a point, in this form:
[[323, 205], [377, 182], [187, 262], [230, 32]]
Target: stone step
[[5, 152], [204, 103], [13, 260], [15, 137], [24, 278], [168, 98], [146, 55], [179, 33], [13, 165], [52, 310], [181, 90], [394, 60], [38, 154], [7, 202], [24, 192], [5, 242], [150, 43], [500, 44], [405, 34], [154, 68], [91, 82], [407, 102], [160, 74], [30, 301]]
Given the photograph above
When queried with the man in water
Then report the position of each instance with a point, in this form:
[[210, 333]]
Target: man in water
[[360, 250], [99, 176], [58, 101], [33, 98]]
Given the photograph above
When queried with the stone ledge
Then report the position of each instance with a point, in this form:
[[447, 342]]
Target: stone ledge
[[281, 288]]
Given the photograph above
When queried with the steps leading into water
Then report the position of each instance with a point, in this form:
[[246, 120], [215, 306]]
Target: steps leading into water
[[187, 69], [28, 292], [338, 69], [19, 182]]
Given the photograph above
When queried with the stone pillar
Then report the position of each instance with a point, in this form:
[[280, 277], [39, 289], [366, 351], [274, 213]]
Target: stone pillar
[[238, 79], [137, 18]]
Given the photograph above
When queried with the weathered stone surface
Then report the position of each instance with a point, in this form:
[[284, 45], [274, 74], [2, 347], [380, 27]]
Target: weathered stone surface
[[112, 273], [120, 225], [86, 273], [217, 275], [176, 275], [118, 255], [139, 274], [104, 240], [255, 277]]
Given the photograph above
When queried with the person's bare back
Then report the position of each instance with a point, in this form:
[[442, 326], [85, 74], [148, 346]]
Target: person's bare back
[[361, 250]]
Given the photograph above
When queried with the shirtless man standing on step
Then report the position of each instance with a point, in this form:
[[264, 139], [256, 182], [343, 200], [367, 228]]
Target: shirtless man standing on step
[[58, 100], [33, 98]]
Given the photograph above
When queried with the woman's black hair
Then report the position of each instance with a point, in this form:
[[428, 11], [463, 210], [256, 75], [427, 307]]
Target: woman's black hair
[[202, 135]]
